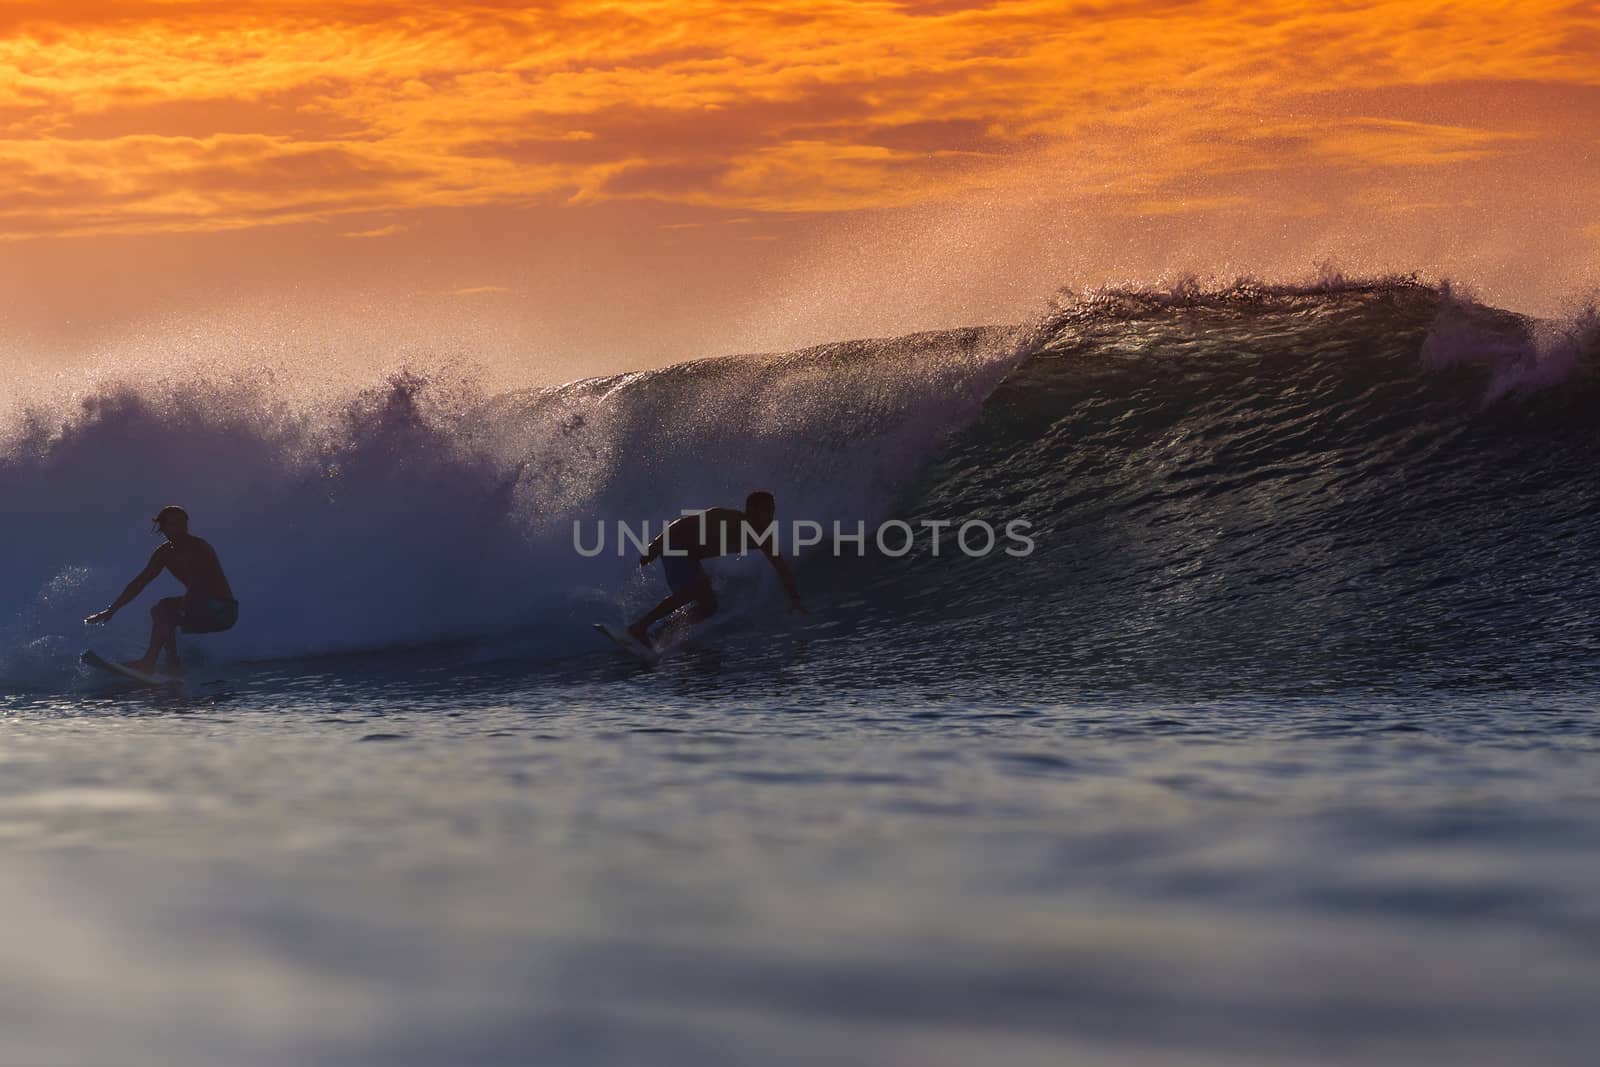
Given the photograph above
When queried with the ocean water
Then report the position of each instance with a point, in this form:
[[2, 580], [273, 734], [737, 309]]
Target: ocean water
[[1280, 747]]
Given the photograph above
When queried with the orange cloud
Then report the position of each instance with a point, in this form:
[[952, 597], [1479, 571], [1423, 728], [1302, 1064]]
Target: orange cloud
[[1390, 143], [156, 115], [381, 231]]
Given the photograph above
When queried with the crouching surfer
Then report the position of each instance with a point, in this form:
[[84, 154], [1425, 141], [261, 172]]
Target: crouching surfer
[[207, 606], [713, 532]]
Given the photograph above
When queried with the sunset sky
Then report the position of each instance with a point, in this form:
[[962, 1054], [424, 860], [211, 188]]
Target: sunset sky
[[590, 186]]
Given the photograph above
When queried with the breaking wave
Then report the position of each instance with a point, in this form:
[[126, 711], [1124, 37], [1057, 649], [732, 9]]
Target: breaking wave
[[1351, 478]]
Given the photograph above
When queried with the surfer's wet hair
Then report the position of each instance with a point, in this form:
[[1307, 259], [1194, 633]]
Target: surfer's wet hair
[[760, 500]]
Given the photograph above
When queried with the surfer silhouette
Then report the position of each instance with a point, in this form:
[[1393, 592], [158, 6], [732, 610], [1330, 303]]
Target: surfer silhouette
[[207, 606], [705, 534]]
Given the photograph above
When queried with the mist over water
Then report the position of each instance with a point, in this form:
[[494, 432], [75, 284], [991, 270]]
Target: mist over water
[[423, 509]]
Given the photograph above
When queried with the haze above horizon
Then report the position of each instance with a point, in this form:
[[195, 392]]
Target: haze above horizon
[[584, 187]]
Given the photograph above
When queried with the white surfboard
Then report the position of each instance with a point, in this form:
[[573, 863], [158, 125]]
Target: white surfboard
[[642, 653], [110, 666]]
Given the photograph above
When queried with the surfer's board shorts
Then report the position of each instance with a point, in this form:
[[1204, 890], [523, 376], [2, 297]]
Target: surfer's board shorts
[[206, 616], [681, 572]]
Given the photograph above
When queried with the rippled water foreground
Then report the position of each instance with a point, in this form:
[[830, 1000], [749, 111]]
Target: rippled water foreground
[[706, 865]]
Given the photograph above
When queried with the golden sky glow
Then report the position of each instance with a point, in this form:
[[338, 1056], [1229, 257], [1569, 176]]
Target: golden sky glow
[[790, 171], [141, 116]]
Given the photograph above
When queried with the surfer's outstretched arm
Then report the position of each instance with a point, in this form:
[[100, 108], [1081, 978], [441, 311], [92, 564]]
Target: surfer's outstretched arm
[[145, 577], [787, 578]]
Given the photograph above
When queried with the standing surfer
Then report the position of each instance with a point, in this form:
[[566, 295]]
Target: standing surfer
[[702, 535], [207, 606]]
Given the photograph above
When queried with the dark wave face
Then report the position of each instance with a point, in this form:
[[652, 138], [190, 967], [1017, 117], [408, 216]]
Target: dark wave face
[[1366, 484]]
